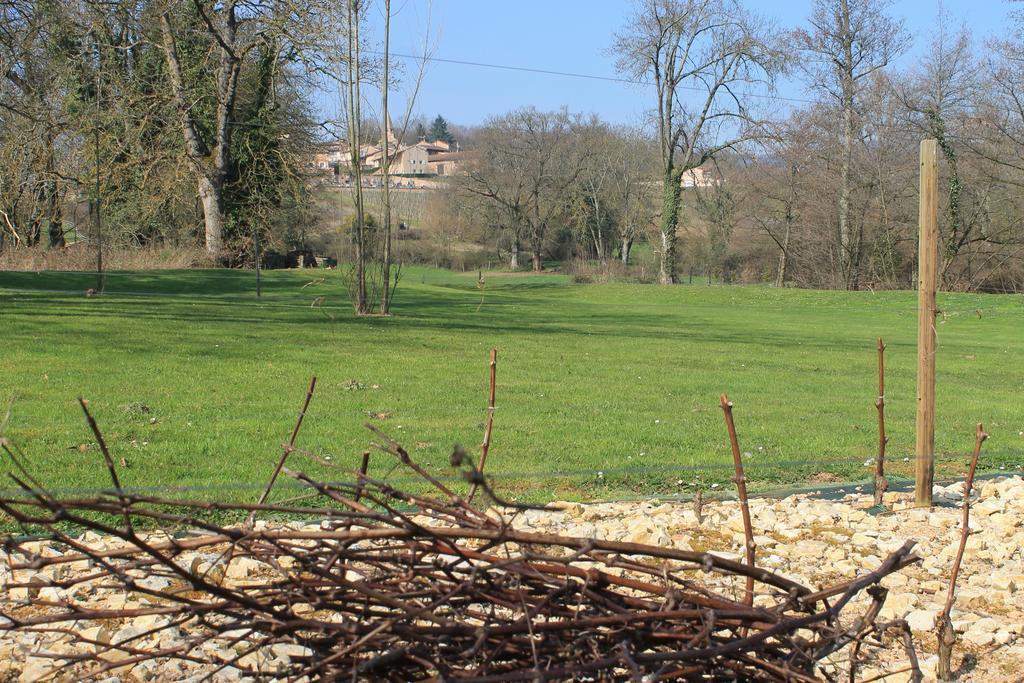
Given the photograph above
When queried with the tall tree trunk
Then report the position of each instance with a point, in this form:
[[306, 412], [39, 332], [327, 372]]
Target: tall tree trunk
[[49, 216], [845, 252], [672, 193], [210, 165], [537, 230], [596, 233], [355, 138], [56, 222], [39, 217], [211, 193], [385, 299], [780, 277], [536, 255], [35, 231], [857, 257], [955, 236], [514, 259], [627, 246]]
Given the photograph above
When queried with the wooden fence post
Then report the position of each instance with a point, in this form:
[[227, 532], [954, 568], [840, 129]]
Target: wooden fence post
[[927, 281]]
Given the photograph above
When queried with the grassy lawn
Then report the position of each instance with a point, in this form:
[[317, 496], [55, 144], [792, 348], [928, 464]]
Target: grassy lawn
[[622, 379]]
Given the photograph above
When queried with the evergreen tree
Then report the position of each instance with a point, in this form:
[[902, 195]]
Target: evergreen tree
[[439, 130]]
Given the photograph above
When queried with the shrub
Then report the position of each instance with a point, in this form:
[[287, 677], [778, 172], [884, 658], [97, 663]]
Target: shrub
[[584, 271]]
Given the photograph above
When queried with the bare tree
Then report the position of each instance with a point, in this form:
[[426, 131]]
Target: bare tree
[[788, 191], [495, 179], [525, 162], [350, 78], [771, 188], [611, 201], [848, 41], [388, 284], [716, 49], [553, 164], [996, 259], [1003, 111], [939, 96], [39, 48], [591, 209], [634, 194], [716, 210], [385, 87]]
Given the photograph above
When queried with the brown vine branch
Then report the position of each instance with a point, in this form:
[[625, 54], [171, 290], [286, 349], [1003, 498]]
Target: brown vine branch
[[741, 487], [489, 426], [881, 483], [111, 469], [944, 624]]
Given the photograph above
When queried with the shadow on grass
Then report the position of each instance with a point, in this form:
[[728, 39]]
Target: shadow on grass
[[438, 303], [195, 282], [526, 306]]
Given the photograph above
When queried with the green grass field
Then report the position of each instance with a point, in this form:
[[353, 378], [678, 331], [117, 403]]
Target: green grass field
[[622, 379]]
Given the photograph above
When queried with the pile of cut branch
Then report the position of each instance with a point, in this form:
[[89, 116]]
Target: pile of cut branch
[[393, 585]]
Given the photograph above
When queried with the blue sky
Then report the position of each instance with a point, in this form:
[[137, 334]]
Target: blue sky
[[572, 36]]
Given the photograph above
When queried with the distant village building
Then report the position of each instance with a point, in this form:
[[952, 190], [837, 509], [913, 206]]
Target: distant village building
[[699, 177], [421, 158], [331, 156], [444, 162]]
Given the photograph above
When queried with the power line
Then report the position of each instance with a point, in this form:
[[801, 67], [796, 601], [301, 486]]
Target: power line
[[572, 74], [506, 67], [617, 79]]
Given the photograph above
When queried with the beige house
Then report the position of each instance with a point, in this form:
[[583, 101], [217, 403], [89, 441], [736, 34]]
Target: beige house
[[444, 163], [420, 158], [698, 177], [405, 159]]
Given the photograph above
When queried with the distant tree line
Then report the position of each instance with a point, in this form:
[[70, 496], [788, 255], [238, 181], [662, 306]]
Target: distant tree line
[[833, 186], [191, 123], [546, 182], [820, 192]]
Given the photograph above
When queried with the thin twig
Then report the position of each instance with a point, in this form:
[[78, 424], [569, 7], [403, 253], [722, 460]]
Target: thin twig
[[108, 460], [7, 416], [289, 447], [364, 466]]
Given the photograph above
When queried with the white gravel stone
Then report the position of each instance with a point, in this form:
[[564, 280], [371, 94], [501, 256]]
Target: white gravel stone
[[244, 567], [921, 620]]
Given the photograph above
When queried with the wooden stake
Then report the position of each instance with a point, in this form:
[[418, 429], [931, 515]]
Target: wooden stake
[[927, 280]]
